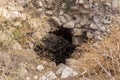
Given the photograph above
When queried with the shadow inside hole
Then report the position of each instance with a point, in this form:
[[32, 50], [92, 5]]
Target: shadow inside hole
[[57, 46]]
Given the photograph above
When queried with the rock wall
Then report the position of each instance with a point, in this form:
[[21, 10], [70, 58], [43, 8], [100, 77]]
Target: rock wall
[[86, 16], [90, 18]]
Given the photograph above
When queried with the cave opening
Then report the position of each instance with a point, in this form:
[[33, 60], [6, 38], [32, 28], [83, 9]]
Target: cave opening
[[56, 46]]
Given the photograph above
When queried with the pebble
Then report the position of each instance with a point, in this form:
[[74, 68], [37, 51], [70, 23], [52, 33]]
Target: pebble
[[40, 67]]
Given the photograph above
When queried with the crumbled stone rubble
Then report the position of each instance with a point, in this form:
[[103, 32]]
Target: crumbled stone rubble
[[84, 17]]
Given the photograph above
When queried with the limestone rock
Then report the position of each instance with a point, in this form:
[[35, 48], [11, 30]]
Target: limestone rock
[[48, 76], [40, 67], [98, 37], [89, 35], [79, 1], [77, 32], [66, 72], [93, 26], [16, 46], [67, 17], [56, 20], [70, 24], [116, 4], [107, 19], [62, 18], [84, 21], [5, 13], [49, 13]]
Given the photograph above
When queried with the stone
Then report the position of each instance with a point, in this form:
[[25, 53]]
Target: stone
[[115, 3], [61, 68], [76, 40], [106, 19], [48, 76], [16, 46], [5, 13], [62, 19], [93, 26], [66, 72], [83, 10], [49, 13], [77, 32], [102, 28], [94, 5], [84, 21], [74, 8], [70, 24], [28, 78], [96, 18], [89, 35], [40, 67], [35, 77], [56, 20], [38, 4], [86, 6], [61, 13], [98, 37], [67, 17], [22, 71], [15, 14], [22, 2], [96, 33], [77, 26], [79, 1]]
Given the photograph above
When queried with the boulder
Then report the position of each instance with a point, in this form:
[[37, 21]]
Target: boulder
[[66, 71]]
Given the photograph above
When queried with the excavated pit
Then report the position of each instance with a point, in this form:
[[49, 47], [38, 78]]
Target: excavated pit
[[56, 46]]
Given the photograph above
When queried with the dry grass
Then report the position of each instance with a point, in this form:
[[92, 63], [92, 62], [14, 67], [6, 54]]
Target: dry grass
[[102, 62]]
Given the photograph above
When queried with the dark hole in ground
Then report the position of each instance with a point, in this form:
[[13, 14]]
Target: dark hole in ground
[[56, 46], [65, 33]]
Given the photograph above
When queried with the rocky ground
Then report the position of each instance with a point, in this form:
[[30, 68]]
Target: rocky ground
[[59, 40]]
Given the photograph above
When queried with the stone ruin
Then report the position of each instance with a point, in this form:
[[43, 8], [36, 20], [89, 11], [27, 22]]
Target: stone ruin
[[87, 18], [71, 23]]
